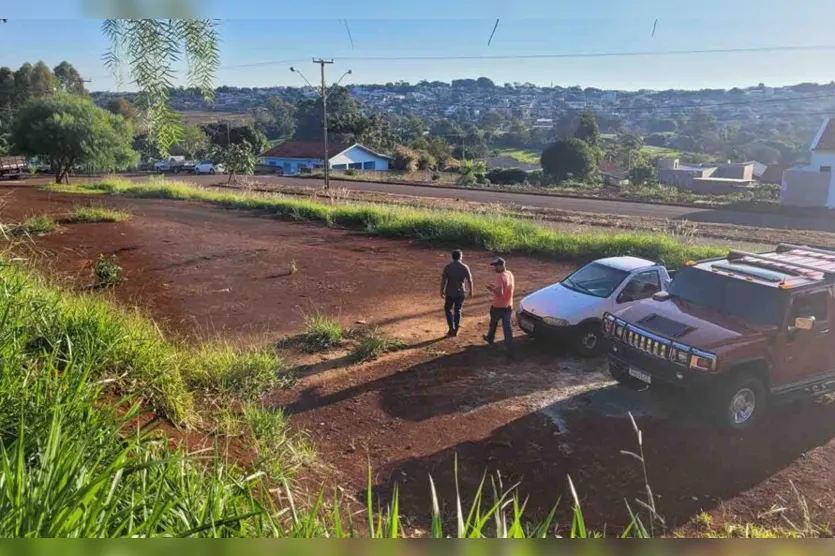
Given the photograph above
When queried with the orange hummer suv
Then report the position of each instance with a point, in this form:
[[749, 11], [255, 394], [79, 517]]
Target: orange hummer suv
[[744, 329]]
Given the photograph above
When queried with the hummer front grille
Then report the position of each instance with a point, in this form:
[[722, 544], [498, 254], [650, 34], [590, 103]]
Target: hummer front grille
[[646, 342]]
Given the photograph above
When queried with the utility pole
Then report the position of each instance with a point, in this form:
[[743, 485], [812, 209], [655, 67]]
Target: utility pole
[[324, 94]]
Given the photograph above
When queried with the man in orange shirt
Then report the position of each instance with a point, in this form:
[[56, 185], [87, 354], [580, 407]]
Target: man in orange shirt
[[502, 306]]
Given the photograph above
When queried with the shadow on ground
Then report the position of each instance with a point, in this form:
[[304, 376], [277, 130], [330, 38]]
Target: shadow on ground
[[692, 466]]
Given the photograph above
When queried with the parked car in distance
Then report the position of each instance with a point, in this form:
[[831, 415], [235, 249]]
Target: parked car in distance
[[738, 332], [208, 167], [574, 307], [170, 164]]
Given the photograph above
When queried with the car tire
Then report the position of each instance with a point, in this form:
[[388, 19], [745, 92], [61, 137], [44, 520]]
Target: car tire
[[625, 380], [740, 402], [589, 340], [212, 171]]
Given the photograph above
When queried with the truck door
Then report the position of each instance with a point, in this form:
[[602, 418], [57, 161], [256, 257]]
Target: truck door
[[806, 354]]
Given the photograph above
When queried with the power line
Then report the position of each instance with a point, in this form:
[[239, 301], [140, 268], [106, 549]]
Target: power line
[[493, 33], [597, 54], [348, 29]]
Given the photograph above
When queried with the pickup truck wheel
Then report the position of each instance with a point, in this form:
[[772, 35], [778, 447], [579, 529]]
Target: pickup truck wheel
[[589, 340], [741, 402]]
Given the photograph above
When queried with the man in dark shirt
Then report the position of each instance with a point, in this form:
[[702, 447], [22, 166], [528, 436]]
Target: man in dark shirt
[[454, 290]]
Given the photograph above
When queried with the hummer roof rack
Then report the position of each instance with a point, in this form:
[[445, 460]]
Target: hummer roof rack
[[797, 261]]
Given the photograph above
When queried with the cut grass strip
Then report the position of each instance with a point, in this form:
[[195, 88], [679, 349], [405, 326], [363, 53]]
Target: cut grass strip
[[496, 233], [97, 214]]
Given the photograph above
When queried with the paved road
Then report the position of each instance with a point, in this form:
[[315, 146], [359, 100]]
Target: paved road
[[599, 206]]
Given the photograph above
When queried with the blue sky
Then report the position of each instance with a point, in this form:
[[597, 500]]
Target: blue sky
[[259, 31]]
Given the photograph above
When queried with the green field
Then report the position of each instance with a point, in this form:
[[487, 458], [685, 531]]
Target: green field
[[527, 156]]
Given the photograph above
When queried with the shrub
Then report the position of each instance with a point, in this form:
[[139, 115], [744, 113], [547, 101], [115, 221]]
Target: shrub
[[107, 271], [350, 172], [467, 179], [436, 176], [507, 176], [479, 178], [568, 158], [426, 161], [372, 345], [405, 159]]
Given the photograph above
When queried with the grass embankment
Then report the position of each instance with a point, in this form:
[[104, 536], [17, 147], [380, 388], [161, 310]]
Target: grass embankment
[[75, 375], [496, 233]]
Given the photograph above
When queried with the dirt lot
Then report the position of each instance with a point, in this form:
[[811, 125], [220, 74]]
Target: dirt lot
[[205, 272]]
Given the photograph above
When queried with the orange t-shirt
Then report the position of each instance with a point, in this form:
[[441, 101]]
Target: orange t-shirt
[[504, 284]]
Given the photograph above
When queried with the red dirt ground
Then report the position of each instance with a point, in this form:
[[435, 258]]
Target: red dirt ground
[[204, 272]]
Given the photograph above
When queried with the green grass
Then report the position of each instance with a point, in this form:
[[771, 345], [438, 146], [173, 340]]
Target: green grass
[[322, 333], [124, 348], [522, 155], [107, 271], [97, 214], [41, 224], [372, 344], [496, 233]]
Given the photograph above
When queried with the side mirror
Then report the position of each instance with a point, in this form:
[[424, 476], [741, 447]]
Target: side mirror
[[661, 296], [804, 323]]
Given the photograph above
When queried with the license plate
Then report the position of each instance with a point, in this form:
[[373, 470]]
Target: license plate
[[526, 325], [640, 375]]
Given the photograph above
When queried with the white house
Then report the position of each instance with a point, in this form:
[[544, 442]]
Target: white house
[[293, 155], [813, 185]]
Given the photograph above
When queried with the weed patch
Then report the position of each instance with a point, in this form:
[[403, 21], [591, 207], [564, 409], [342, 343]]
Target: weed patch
[[107, 271], [37, 225], [97, 214], [321, 333], [372, 344]]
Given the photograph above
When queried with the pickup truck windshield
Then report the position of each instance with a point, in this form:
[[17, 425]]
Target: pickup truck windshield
[[748, 301], [595, 279]]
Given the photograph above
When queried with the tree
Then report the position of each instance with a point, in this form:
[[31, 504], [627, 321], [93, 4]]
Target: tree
[[587, 129], [194, 142], [23, 84], [568, 158], [67, 130], [485, 83], [642, 173], [68, 79], [122, 107], [221, 135], [7, 88], [42, 80], [152, 47], [236, 158], [281, 122], [343, 117]]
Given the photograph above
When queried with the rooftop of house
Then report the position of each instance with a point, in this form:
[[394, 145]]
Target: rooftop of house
[[304, 149], [825, 141]]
